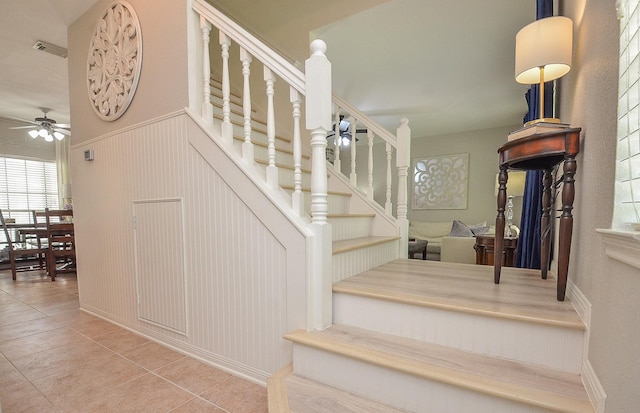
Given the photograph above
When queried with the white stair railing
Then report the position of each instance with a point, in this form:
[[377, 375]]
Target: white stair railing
[[277, 67], [313, 90]]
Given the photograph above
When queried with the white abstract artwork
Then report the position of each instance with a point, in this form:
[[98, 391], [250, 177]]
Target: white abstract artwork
[[440, 182], [114, 61]]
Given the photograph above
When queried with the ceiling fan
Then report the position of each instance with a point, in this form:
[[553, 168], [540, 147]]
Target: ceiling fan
[[346, 132], [44, 127]]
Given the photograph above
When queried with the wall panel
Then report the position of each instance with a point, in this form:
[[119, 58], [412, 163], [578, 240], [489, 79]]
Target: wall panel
[[244, 259]]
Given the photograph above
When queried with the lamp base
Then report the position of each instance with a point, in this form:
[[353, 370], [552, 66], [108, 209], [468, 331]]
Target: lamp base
[[542, 120]]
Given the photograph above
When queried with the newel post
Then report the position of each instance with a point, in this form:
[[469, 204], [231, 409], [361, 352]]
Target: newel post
[[318, 122], [403, 161]]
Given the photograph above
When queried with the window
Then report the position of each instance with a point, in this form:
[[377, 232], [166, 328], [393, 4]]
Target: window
[[627, 205], [27, 184], [620, 243]]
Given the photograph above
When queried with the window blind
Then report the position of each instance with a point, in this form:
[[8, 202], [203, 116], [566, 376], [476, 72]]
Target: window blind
[[25, 185], [627, 191]]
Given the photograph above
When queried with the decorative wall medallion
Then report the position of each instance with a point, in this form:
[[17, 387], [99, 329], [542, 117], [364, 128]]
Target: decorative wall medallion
[[114, 61], [440, 182]]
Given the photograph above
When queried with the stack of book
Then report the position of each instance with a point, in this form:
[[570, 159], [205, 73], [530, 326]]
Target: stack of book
[[540, 127]]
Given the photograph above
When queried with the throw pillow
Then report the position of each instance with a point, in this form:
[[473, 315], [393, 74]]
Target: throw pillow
[[459, 229]]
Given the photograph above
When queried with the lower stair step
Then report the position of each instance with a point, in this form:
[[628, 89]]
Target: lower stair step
[[417, 376], [353, 256], [302, 395]]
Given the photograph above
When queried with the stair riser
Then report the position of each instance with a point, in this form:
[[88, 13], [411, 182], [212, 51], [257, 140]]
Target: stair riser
[[395, 388], [338, 204], [262, 153], [350, 227], [258, 133], [353, 262], [531, 343], [285, 177]]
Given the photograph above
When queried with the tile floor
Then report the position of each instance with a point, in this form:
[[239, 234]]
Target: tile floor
[[56, 358]]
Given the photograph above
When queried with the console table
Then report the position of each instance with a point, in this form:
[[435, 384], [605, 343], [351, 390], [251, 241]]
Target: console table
[[542, 152], [485, 247]]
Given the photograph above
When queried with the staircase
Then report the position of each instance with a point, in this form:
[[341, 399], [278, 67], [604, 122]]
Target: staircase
[[424, 336], [409, 335]]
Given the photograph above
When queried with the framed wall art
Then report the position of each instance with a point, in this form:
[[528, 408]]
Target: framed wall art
[[440, 182]]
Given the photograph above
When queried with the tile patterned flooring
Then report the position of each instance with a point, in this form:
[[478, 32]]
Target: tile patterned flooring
[[56, 358]]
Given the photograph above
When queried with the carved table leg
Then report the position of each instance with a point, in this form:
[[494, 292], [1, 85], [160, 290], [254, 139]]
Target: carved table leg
[[545, 223], [566, 224], [499, 238]]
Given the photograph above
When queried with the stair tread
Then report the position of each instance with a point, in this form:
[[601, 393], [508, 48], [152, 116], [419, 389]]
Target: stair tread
[[307, 189], [308, 396], [254, 128], [521, 295], [265, 145], [537, 386], [353, 215], [356, 243]]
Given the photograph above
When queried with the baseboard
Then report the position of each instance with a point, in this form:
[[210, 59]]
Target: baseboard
[[580, 303], [594, 389], [591, 383]]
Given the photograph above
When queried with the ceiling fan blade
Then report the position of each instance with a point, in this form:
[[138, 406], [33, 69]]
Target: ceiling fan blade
[[23, 127], [12, 119], [63, 131], [61, 125]]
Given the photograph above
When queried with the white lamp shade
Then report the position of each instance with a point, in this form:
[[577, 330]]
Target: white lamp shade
[[58, 136], [66, 191], [43, 133], [515, 183], [33, 133], [546, 43]]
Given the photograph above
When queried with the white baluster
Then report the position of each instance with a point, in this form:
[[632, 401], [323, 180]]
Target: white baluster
[[370, 164], [337, 165], [207, 107], [272, 169], [297, 199], [226, 129], [388, 206], [318, 121], [353, 177], [247, 145], [403, 156]]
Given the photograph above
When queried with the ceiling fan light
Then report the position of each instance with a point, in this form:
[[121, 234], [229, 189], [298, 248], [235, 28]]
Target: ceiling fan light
[[58, 135], [33, 133], [345, 141], [43, 133], [48, 138]]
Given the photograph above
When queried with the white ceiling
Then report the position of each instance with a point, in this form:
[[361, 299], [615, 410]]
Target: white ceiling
[[32, 79], [447, 66]]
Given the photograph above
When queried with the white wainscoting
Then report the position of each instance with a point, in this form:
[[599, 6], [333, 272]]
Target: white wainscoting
[[244, 261]]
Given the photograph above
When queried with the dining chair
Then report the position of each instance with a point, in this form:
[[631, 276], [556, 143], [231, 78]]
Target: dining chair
[[61, 241], [16, 248], [36, 238]]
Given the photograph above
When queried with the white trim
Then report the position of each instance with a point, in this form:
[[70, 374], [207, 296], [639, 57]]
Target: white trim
[[582, 305], [130, 128], [592, 385], [623, 246]]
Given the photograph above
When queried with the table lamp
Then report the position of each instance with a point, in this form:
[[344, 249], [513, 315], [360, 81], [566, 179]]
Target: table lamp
[[543, 53], [515, 187]]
